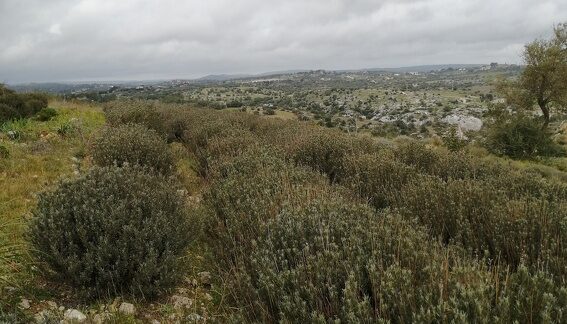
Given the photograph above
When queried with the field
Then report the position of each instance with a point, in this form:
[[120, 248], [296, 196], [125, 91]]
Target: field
[[295, 222], [417, 103]]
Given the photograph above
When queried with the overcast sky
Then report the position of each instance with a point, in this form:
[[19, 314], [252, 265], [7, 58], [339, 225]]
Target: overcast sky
[[56, 40]]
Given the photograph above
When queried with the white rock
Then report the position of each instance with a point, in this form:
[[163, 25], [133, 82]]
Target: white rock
[[194, 317], [467, 123], [41, 317], [180, 302], [24, 304], [205, 278], [74, 315], [127, 309], [101, 318], [52, 305]]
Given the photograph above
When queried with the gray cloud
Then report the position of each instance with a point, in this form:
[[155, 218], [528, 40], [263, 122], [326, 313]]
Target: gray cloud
[[136, 39]]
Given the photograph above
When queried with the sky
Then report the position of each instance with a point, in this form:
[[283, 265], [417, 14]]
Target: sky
[[81, 40]]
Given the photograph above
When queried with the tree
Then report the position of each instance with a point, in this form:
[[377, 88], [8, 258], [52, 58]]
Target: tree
[[544, 79]]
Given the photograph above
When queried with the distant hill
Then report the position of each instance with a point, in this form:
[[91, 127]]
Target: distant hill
[[424, 68], [60, 87], [224, 77]]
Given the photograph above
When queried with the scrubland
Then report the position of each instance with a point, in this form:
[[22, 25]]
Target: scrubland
[[202, 215]]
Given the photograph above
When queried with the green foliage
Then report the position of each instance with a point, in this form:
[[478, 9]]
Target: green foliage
[[16, 106], [519, 136], [113, 231], [138, 112], [66, 129], [445, 237], [377, 177], [4, 153], [544, 79], [473, 214], [250, 189], [453, 141], [46, 114], [132, 144], [234, 104]]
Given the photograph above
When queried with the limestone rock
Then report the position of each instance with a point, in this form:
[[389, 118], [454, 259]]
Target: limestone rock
[[74, 315], [24, 304], [127, 309]]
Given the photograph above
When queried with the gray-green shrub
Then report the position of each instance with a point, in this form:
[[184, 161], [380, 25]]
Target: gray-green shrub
[[132, 144], [15, 106], [476, 215], [46, 114], [137, 112], [520, 137], [113, 231]]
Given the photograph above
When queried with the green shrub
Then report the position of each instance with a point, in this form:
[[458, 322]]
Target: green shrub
[[133, 144], [250, 189], [46, 114], [7, 113], [417, 154], [481, 218], [4, 153], [136, 112], [376, 178], [113, 231], [16, 106], [33, 103], [324, 150], [520, 137], [67, 129], [222, 147], [453, 141]]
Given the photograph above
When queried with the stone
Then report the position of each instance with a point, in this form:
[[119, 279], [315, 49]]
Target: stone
[[74, 315], [13, 135], [52, 305], [194, 317], [127, 309], [180, 302], [61, 308], [467, 123], [41, 317], [205, 278], [101, 318], [24, 304]]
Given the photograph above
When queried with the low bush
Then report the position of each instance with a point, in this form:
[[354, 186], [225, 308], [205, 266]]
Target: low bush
[[290, 248], [476, 215], [520, 137], [324, 150], [4, 153], [454, 141], [113, 231], [458, 237], [132, 144], [16, 106], [46, 114], [250, 189], [377, 178], [136, 112]]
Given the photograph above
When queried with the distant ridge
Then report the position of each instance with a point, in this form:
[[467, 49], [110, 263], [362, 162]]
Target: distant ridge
[[404, 69], [424, 68], [54, 86]]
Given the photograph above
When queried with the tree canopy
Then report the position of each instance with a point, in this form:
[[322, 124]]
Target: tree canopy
[[543, 82]]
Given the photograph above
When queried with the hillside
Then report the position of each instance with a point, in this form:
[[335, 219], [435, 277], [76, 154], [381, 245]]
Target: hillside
[[288, 221]]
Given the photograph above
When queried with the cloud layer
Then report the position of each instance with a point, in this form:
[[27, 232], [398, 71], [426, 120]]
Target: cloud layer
[[145, 39]]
